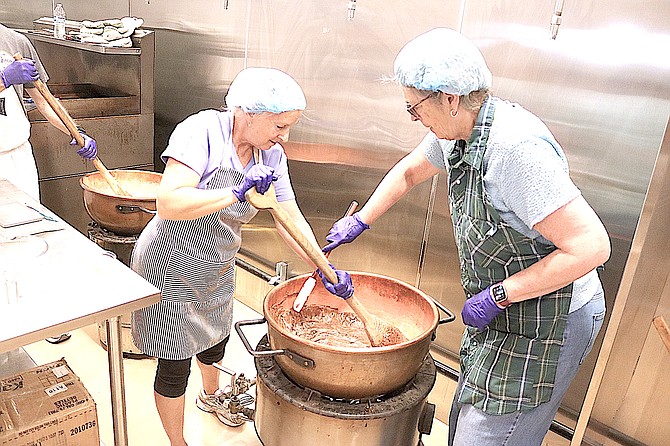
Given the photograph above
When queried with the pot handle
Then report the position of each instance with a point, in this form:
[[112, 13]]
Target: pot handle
[[298, 359], [450, 316], [126, 209]]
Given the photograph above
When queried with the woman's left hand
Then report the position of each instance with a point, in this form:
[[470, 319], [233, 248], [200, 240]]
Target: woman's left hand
[[90, 149], [480, 310]]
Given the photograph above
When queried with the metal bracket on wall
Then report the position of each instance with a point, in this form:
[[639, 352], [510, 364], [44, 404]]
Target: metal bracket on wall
[[281, 273], [351, 10], [556, 19]]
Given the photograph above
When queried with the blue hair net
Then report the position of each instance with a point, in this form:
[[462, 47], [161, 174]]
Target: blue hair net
[[442, 60], [257, 90]]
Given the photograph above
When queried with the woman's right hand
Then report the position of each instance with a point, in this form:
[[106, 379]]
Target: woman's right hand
[[259, 176], [19, 72], [344, 288]]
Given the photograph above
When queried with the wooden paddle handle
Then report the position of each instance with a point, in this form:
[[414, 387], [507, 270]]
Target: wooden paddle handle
[[69, 123], [268, 201], [663, 331], [109, 178], [313, 252]]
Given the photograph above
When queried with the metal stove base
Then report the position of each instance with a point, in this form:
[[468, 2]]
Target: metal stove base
[[289, 415]]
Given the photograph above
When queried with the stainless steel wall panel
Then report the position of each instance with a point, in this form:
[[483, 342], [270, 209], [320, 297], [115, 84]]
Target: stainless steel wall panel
[[635, 381], [355, 127], [122, 141], [200, 47]]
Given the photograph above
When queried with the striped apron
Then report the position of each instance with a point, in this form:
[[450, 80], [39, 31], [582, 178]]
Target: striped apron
[[192, 263]]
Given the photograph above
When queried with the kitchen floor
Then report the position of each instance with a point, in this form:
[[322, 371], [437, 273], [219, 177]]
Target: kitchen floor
[[88, 360]]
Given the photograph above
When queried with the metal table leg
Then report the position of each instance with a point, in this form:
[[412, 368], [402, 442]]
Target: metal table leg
[[115, 359]]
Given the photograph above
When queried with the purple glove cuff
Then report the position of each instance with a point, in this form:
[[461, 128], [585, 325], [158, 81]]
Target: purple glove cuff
[[361, 223], [239, 193]]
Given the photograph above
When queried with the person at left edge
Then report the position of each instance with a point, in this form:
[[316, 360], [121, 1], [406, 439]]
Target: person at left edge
[[188, 250], [17, 163]]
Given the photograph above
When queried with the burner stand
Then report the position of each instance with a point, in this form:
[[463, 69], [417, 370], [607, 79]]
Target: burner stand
[[287, 414]]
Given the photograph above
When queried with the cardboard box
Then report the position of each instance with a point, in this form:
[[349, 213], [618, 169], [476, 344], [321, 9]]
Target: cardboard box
[[47, 406]]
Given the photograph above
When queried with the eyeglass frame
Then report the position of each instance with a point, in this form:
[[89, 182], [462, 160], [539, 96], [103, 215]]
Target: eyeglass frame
[[411, 109]]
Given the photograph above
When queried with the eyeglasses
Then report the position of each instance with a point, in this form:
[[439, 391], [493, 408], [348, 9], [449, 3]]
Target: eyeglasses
[[411, 109]]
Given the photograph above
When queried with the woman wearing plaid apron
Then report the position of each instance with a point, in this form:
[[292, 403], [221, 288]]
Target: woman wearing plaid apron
[[528, 242]]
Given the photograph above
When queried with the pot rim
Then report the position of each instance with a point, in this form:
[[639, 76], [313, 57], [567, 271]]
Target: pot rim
[[88, 188], [365, 350]]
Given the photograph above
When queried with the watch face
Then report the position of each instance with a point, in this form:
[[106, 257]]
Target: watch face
[[499, 294]]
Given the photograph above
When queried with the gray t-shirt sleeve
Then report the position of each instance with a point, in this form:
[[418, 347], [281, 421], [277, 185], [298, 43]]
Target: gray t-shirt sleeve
[[436, 150], [525, 179], [528, 181], [44, 77]]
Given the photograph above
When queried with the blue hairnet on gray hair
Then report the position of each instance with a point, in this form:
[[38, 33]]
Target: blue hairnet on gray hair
[[442, 60], [257, 90]]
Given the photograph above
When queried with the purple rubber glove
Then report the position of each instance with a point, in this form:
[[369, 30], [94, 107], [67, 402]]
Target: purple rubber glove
[[259, 176], [343, 288], [480, 309], [345, 230], [19, 72], [90, 149]]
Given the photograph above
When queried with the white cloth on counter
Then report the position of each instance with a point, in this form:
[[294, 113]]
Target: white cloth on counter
[[110, 32]]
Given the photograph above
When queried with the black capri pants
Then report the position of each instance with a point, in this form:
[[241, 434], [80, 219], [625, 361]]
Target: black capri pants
[[172, 375]]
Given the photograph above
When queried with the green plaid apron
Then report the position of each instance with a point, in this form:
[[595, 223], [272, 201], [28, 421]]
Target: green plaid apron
[[510, 366]]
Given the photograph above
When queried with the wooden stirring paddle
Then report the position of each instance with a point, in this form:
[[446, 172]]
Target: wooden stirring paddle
[[308, 286], [379, 332], [69, 123]]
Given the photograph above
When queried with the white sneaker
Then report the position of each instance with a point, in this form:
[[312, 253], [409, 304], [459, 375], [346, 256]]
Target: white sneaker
[[219, 405], [58, 339]]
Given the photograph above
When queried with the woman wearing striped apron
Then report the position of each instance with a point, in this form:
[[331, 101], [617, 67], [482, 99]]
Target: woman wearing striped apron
[[188, 249], [528, 243]]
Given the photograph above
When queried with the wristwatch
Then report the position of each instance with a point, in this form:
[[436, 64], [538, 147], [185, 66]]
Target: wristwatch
[[500, 295]]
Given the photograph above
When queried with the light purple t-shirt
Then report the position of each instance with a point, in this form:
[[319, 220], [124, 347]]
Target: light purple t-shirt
[[204, 142]]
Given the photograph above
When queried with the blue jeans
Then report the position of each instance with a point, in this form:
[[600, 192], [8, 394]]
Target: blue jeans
[[469, 426]]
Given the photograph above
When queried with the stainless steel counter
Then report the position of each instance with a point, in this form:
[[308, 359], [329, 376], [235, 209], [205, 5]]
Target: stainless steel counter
[[71, 285]]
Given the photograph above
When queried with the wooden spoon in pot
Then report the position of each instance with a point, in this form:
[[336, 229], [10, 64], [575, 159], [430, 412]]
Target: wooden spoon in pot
[[379, 332], [69, 123]]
